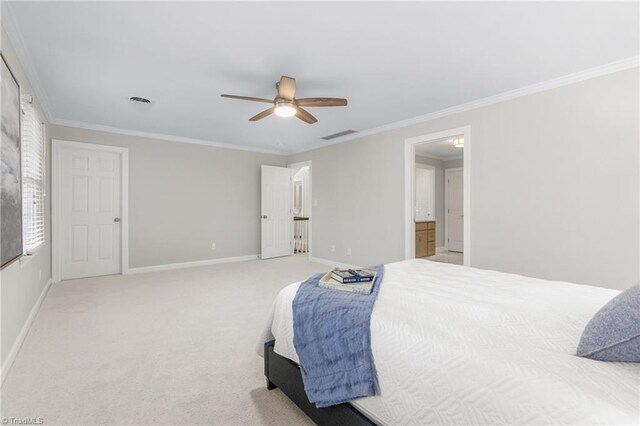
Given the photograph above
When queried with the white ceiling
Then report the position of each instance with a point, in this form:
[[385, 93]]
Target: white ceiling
[[393, 61], [442, 149]]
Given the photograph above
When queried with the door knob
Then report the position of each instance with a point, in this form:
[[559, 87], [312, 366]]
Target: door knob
[[117, 219], [264, 216]]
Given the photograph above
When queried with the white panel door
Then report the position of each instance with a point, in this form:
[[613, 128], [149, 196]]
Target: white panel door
[[276, 214], [425, 185], [89, 212], [454, 190]]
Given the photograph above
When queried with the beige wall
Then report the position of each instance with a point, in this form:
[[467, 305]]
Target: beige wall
[[358, 207], [22, 282], [183, 197], [554, 180]]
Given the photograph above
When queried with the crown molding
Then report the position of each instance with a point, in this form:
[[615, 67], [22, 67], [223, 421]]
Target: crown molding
[[440, 157], [431, 156], [566, 80], [12, 31], [161, 136]]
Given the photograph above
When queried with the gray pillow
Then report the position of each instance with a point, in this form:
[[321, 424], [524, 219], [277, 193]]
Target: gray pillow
[[613, 334]]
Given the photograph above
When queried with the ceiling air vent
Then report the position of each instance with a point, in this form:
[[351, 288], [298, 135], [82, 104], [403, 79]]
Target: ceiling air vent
[[339, 134], [139, 99]]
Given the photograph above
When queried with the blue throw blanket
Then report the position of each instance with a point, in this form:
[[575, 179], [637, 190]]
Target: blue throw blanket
[[332, 336]]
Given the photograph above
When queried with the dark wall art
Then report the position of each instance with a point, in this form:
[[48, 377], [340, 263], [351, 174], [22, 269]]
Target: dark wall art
[[10, 170]]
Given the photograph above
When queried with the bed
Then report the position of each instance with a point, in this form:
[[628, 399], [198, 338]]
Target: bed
[[460, 345]]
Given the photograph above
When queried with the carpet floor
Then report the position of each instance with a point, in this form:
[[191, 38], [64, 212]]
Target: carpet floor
[[173, 347]]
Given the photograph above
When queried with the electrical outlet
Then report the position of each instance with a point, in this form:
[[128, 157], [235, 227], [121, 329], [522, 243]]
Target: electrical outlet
[[213, 246], [349, 251], [333, 248]]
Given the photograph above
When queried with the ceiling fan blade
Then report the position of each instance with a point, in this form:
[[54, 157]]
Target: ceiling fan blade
[[287, 88], [305, 116], [248, 98], [263, 114], [321, 102]]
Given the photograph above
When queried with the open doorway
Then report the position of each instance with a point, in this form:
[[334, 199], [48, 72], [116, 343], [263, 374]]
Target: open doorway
[[437, 197], [301, 208], [439, 209]]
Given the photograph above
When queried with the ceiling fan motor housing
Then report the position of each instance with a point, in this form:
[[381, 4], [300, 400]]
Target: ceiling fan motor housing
[[279, 102]]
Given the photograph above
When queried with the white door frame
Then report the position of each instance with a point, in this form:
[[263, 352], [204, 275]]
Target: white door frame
[[56, 231], [302, 164], [446, 203], [409, 187]]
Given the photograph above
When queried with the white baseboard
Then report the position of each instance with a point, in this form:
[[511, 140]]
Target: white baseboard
[[11, 356], [332, 263], [207, 262]]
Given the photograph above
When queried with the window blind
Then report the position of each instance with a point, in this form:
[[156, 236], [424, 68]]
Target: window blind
[[33, 176]]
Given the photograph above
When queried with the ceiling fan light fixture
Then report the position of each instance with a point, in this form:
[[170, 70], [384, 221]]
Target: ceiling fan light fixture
[[286, 104], [284, 109], [458, 142]]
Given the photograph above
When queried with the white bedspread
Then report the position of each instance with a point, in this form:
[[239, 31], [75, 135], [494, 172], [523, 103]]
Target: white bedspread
[[458, 345]]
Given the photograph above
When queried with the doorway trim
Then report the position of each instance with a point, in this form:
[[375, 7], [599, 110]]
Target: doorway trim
[[446, 203], [302, 164], [56, 231], [409, 187]]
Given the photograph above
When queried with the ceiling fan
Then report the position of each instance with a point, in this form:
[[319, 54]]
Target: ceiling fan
[[285, 103]]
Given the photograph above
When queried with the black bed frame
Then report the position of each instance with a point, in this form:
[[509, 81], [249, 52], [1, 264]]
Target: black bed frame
[[285, 374]]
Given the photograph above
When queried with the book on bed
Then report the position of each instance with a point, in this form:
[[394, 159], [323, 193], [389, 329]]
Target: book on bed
[[347, 276], [362, 287]]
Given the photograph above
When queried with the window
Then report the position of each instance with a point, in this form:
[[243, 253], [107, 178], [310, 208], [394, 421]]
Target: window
[[33, 176]]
